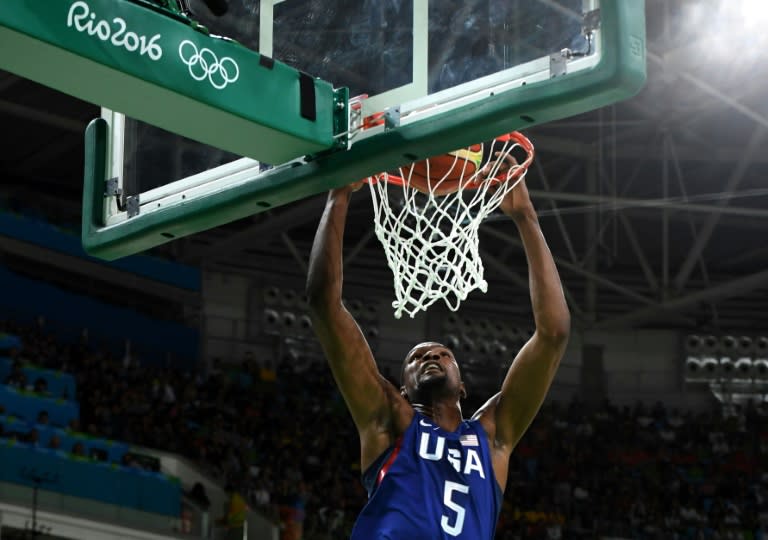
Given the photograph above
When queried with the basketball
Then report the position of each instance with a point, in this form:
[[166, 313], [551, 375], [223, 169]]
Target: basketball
[[443, 174]]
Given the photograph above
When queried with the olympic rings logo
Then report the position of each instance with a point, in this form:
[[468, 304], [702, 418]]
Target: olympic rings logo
[[203, 63]]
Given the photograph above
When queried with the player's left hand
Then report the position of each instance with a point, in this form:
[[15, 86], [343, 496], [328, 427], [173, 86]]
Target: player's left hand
[[500, 167], [517, 203]]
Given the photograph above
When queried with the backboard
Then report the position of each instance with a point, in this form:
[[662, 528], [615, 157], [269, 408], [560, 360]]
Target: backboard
[[411, 54], [424, 76]]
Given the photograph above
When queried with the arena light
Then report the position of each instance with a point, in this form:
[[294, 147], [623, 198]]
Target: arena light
[[514, 334], [468, 325], [710, 344], [372, 332], [693, 344], [754, 13], [744, 366], [760, 367], [728, 344], [728, 28], [289, 298], [499, 347], [270, 319], [467, 344], [355, 307], [727, 365], [288, 320], [451, 322], [291, 355], [483, 327], [761, 347], [452, 342], [709, 365], [745, 346], [305, 323], [693, 365], [271, 295], [493, 347], [499, 330], [371, 312]]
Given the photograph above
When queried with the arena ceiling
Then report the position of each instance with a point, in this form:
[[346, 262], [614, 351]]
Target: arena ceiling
[[654, 208]]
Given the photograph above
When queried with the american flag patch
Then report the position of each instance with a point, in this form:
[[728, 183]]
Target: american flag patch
[[468, 440]]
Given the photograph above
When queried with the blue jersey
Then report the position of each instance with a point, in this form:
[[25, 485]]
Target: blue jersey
[[432, 484]]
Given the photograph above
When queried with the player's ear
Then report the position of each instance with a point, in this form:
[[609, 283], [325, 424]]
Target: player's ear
[[462, 391], [404, 393]]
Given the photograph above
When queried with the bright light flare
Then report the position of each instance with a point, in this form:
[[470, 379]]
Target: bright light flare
[[727, 32], [753, 13]]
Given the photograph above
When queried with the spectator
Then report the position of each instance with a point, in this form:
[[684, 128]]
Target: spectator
[[42, 418], [54, 443], [41, 387], [261, 495], [78, 449], [32, 437], [198, 495], [292, 505], [236, 513], [580, 469], [98, 454], [129, 460], [16, 378]]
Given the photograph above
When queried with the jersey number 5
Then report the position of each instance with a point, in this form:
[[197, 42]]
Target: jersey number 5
[[448, 493]]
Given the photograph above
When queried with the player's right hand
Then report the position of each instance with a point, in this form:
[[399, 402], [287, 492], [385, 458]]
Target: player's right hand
[[357, 185]]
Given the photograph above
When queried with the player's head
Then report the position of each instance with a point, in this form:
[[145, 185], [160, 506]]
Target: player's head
[[430, 370]]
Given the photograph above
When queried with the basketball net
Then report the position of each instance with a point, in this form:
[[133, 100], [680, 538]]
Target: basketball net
[[431, 241]]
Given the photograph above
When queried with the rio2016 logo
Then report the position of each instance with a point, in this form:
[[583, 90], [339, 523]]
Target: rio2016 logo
[[202, 63], [83, 19]]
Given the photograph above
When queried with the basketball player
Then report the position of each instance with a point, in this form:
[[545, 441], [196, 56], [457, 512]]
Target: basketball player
[[430, 473]]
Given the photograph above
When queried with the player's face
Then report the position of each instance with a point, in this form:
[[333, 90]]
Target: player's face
[[429, 364]]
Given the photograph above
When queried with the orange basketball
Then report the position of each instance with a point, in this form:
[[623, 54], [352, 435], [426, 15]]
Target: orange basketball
[[444, 174]]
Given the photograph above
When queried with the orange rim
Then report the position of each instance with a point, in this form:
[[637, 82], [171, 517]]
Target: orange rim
[[449, 186]]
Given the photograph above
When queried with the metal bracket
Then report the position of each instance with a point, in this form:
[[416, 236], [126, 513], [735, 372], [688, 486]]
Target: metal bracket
[[111, 188], [132, 206], [558, 63], [392, 118], [124, 204], [590, 22], [342, 122]]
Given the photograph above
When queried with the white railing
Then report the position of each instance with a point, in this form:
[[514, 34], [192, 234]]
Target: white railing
[[67, 526]]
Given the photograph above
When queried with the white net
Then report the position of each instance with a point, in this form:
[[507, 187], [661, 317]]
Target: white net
[[429, 227]]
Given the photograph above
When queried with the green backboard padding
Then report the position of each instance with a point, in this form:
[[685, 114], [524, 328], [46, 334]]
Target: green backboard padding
[[141, 62], [620, 74]]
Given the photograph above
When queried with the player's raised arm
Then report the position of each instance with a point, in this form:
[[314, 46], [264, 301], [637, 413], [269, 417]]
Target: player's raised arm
[[530, 375], [370, 398]]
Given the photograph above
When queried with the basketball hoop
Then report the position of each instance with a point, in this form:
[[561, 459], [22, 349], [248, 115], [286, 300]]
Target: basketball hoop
[[429, 224]]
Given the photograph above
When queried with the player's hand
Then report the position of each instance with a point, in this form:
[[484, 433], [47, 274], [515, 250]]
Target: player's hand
[[517, 203], [349, 188], [500, 167], [355, 186]]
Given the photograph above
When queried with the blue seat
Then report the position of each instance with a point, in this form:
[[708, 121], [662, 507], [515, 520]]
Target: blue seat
[[27, 405], [59, 471], [60, 384]]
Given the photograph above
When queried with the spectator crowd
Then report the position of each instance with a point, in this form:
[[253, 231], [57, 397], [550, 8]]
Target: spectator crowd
[[283, 439]]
